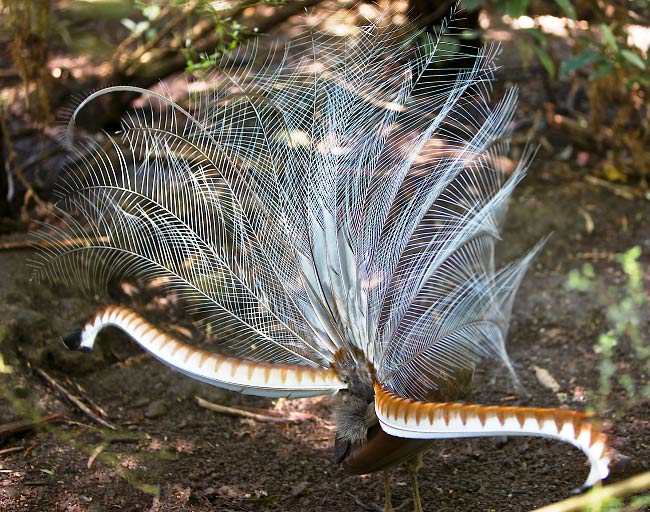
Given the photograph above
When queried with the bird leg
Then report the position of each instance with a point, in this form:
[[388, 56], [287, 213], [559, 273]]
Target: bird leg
[[388, 506], [414, 464]]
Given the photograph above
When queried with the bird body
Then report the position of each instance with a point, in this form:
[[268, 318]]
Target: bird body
[[335, 218]]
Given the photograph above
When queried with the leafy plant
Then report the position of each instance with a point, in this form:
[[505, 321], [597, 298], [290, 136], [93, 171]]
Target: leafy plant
[[230, 34], [605, 50], [625, 307], [151, 13]]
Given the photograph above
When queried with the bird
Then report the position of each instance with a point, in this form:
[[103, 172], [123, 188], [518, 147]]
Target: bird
[[333, 218]]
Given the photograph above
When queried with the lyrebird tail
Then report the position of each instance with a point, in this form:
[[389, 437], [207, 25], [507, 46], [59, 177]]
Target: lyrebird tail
[[332, 216]]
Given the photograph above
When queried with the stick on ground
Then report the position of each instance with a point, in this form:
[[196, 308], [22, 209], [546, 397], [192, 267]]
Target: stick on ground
[[597, 496], [243, 413], [73, 399], [18, 427]]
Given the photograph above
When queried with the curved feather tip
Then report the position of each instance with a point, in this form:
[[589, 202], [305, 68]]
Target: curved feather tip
[[424, 420]]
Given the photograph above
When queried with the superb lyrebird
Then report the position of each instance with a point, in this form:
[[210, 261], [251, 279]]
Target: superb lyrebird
[[336, 215]]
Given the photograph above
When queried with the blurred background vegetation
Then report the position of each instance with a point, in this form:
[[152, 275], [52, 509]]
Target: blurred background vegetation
[[586, 60]]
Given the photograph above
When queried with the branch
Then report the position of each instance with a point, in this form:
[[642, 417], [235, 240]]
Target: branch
[[18, 427], [598, 496], [73, 399], [177, 61], [245, 413]]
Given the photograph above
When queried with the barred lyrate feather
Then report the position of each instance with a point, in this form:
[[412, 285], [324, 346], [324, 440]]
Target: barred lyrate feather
[[333, 218]]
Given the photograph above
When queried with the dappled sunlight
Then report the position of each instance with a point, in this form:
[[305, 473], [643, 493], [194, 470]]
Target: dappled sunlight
[[639, 36]]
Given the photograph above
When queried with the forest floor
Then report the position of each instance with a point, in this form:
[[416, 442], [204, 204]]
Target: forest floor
[[169, 454]]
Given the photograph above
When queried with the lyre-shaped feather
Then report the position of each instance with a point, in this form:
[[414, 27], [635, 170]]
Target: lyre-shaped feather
[[336, 215]]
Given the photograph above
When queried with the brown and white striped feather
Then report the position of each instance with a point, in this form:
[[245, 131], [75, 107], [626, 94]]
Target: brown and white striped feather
[[248, 377], [406, 418]]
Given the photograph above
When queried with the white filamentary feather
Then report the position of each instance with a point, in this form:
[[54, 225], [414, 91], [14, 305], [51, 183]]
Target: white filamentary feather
[[345, 200], [334, 219]]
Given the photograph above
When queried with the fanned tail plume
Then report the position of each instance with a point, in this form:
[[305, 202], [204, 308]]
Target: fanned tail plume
[[333, 219]]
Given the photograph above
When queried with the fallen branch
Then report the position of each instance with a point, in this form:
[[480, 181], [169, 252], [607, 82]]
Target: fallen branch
[[73, 399], [21, 245], [596, 497], [620, 190], [11, 449], [247, 413], [18, 427]]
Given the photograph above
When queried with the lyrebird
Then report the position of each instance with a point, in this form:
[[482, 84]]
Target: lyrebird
[[336, 216]]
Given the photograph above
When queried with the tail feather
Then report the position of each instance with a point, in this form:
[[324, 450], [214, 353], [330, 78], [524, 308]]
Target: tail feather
[[401, 417], [248, 377]]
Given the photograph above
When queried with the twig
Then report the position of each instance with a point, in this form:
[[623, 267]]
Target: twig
[[596, 497], [11, 449], [232, 411], [366, 506], [21, 245], [17, 427], [74, 400], [619, 190], [131, 38], [99, 449], [126, 62], [277, 413], [99, 410]]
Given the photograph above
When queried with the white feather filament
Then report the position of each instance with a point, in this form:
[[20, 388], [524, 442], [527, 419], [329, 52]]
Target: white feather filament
[[347, 199]]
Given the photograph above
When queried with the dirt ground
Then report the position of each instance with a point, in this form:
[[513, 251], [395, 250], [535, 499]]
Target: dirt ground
[[169, 454]]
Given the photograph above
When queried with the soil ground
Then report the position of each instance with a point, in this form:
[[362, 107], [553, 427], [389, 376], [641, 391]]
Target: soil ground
[[169, 454]]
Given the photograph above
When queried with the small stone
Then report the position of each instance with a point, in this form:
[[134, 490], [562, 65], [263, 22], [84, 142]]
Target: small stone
[[230, 491], [209, 492], [156, 409], [299, 488]]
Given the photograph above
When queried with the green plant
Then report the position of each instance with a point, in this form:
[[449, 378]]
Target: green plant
[[230, 35], [605, 50], [624, 306], [146, 27]]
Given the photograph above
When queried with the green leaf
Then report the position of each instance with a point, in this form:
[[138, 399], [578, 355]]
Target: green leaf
[[516, 8], [602, 69], [579, 61], [151, 12], [546, 60], [632, 57], [567, 8], [578, 282], [537, 34], [472, 5], [608, 37]]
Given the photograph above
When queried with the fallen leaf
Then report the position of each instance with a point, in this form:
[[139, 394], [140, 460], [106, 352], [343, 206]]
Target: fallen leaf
[[546, 379]]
